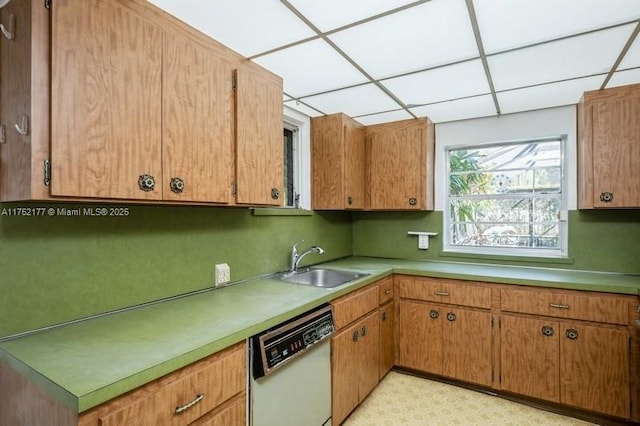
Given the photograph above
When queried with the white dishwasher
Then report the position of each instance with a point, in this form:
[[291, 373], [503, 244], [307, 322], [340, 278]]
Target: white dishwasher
[[290, 377]]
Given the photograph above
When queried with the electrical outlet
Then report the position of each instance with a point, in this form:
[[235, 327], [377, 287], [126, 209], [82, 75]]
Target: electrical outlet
[[222, 274]]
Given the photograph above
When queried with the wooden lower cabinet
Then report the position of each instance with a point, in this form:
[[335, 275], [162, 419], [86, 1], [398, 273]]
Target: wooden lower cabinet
[[354, 365], [387, 337], [445, 340], [581, 365]]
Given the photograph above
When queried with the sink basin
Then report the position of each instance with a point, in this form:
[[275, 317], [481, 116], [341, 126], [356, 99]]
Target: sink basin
[[326, 278]]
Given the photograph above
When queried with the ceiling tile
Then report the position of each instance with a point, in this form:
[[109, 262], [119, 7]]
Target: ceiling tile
[[361, 100], [450, 82], [434, 33], [310, 68], [479, 106], [622, 78], [303, 108], [548, 95], [632, 58], [575, 57], [384, 117], [323, 13], [506, 24], [241, 24]]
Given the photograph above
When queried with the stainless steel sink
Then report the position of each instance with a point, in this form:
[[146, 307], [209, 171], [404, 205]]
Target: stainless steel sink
[[326, 278]]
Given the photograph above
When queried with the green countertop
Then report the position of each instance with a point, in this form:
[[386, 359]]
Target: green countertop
[[89, 362]]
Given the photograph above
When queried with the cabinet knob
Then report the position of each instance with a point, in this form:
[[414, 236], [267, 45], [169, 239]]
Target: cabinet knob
[[387, 291], [572, 334], [364, 331], [433, 314], [413, 201], [355, 336], [451, 316], [547, 331], [3, 134], [146, 183], [275, 193], [384, 316], [606, 197], [176, 185], [350, 200]]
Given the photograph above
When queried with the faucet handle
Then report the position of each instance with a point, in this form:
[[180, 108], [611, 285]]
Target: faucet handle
[[295, 246]]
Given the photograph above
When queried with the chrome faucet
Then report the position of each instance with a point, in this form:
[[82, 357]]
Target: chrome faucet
[[296, 258]]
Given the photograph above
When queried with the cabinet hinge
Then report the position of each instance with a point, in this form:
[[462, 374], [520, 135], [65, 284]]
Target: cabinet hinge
[[500, 323], [492, 322], [47, 172], [234, 82], [234, 189], [47, 4]]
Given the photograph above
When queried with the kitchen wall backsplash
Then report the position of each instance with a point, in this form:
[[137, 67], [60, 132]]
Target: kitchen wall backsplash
[[75, 260], [599, 240]]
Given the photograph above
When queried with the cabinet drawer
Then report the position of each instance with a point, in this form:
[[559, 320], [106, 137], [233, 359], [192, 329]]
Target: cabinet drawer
[[354, 305], [197, 389], [567, 304], [386, 290], [453, 292]]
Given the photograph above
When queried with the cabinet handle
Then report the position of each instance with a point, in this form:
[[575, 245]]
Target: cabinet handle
[[188, 405], [355, 336], [8, 33], [387, 291], [364, 331], [433, 314], [451, 316], [558, 306], [146, 183], [441, 293], [176, 185], [384, 316], [3, 134], [547, 331], [572, 334], [24, 128], [606, 197], [349, 200], [275, 193], [413, 201]]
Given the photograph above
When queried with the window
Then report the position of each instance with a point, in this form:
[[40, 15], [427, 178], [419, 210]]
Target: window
[[291, 143], [507, 198]]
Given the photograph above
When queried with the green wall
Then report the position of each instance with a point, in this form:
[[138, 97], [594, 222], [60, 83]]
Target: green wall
[[598, 240], [59, 268]]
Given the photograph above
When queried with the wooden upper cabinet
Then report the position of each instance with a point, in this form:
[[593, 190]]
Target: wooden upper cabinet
[[259, 140], [24, 101], [197, 140], [106, 103], [400, 159], [338, 163], [609, 148]]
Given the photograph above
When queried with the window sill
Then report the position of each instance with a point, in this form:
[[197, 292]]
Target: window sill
[[280, 211], [499, 257]]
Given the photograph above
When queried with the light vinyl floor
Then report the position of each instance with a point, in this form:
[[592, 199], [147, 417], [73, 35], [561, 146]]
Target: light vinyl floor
[[402, 399]]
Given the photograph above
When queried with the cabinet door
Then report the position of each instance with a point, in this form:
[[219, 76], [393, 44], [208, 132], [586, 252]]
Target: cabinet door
[[368, 354], [387, 338], [594, 368], [398, 161], [467, 345], [616, 157], [420, 336], [344, 373], [197, 137], [259, 143], [105, 101], [354, 165], [327, 161], [529, 357]]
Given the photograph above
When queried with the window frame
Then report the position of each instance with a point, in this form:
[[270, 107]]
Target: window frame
[[300, 124], [543, 253]]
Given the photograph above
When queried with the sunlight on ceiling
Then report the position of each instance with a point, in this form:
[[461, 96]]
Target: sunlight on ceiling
[[387, 60]]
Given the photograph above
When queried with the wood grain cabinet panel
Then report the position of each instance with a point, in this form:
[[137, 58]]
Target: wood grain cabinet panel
[[608, 153], [338, 163], [387, 338], [420, 336], [106, 105], [454, 292], [400, 158], [386, 290], [354, 305]]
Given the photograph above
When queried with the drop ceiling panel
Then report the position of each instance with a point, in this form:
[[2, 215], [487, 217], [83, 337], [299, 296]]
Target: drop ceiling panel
[[507, 24], [632, 58], [622, 78], [330, 14], [450, 82], [354, 101], [241, 24], [575, 57], [298, 106], [479, 106], [310, 68], [548, 95], [384, 117], [433, 33]]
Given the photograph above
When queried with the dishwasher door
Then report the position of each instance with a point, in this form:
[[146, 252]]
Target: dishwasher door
[[298, 393]]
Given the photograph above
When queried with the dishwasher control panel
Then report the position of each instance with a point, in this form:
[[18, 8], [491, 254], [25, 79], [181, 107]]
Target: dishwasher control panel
[[288, 340]]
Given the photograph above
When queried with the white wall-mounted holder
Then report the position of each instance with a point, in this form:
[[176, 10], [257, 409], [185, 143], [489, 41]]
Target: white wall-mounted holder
[[423, 238]]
